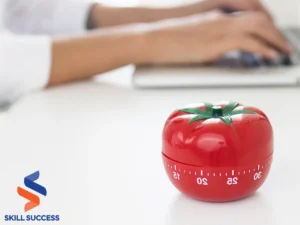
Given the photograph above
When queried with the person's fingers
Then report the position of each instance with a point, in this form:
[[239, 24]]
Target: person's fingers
[[263, 28], [248, 5], [254, 45], [245, 5]]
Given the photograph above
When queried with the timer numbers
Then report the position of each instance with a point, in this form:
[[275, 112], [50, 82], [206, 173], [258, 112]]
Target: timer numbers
[[232, 181], [257, 176], [176, 176], [202, 181]]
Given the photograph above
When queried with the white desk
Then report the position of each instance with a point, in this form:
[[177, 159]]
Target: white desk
[[101, 141]]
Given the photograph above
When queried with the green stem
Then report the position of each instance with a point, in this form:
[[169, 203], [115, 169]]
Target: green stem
[[212, 111], [217, 111]]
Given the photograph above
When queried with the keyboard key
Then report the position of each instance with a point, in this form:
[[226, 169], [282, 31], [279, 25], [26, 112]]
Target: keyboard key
[[286, 60], [250, 60]]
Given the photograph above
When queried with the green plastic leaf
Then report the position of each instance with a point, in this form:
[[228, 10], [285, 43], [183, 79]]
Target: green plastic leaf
[[230, 107], [242, 111], [209, 107], [195, 111], [226, 119], [199, 117]]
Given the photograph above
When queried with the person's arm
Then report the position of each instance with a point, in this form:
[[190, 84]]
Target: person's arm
[[28, 61], [87, 55], [104, 16]]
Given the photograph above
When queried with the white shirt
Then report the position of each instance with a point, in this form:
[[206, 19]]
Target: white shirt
[[26, 27]]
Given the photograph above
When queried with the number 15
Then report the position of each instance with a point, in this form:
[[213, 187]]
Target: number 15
[[176, 176]]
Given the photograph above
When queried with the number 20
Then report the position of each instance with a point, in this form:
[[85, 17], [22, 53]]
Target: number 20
[[202, 181]]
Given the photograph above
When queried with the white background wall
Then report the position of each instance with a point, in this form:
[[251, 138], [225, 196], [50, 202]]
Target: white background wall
[[287, 11]]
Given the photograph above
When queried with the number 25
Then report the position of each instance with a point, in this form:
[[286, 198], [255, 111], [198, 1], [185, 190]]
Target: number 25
[[232, 181]]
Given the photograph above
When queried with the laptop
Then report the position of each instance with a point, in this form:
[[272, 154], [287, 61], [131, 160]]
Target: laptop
[[239, 69]]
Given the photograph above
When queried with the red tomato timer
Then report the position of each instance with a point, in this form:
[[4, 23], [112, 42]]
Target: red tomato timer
[[217, 152]]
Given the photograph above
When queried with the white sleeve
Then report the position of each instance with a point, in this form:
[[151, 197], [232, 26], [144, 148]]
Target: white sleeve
[[25, 63], [47, 16]]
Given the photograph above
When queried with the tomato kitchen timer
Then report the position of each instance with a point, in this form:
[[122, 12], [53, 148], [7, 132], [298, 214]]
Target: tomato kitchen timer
[[217, 152]]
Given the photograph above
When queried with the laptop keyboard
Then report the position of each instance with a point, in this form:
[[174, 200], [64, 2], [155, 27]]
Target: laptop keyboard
[[249, 60]]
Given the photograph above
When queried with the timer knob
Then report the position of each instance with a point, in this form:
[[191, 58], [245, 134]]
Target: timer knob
[[217, 111]]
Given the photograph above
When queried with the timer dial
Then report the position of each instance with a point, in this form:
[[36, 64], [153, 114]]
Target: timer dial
[[217, 184]]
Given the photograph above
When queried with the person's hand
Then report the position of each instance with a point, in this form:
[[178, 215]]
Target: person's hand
[[228, 5], [243, 5], [205, 38], [105, 16]]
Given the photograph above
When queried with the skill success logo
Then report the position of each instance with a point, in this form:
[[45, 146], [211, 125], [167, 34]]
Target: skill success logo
[[33, 199]]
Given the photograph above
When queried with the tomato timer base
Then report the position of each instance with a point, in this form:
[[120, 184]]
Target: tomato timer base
[[217, 184]]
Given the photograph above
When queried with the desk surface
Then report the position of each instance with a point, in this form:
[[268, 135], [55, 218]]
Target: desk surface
[[98, 147]]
